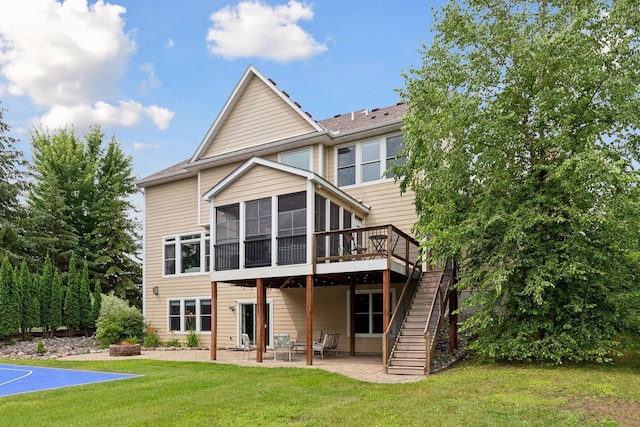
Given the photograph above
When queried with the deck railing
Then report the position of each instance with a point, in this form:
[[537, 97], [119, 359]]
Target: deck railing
[[438, 308], [366, 243]]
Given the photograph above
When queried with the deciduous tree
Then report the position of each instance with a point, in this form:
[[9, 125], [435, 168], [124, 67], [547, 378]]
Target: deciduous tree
[[522, 142]]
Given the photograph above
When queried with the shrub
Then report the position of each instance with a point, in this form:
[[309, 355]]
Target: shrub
[[40, 348], [151, 338], [118, 322], [174, 342], [193, 339]]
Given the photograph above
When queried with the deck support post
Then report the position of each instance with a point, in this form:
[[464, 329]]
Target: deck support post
[[352, 323], [453, 320], [386, 298], [214, 320], [260, 339], [309, 296]]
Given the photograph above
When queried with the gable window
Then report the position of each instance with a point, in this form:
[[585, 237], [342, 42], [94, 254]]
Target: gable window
[[186, 254], [299, 158], [258, 233], [189, 314], [368, 312], [367, 161], [227, 249], [292, 228]]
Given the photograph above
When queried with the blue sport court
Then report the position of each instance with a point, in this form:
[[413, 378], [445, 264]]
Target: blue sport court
[[15, 379]]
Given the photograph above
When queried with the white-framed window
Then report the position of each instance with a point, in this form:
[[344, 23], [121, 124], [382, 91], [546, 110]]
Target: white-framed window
[[189, 314], [368, 312], [297, 158], [367, 161], [186, 254]]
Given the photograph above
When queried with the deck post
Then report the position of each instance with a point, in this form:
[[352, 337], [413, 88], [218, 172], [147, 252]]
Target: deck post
[[260, 341], [386, 298], [309, 295], [453, 320], [427, 362], [352, 323], [214, 320]]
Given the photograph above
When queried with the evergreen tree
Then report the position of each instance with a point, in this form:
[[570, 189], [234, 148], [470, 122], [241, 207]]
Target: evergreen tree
[[29, 306], [55, 312], [9, 301], [72, 298], [12, 184], [45, 283], [96, 304], [86, 317], [522, 143]]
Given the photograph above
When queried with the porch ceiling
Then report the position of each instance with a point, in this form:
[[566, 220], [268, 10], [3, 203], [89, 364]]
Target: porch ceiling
[[333, 279]]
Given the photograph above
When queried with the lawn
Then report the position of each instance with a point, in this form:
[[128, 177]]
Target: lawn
[[197, 394]]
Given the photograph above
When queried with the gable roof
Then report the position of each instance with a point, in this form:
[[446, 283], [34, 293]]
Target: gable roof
[[259, 161], [237, 95]]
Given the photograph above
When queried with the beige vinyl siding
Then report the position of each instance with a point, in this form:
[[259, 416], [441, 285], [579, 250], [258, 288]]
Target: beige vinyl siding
[[387, 205], [259, 116], [259, 182]]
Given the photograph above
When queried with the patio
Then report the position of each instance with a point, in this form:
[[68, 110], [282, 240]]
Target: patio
[[366, 368]]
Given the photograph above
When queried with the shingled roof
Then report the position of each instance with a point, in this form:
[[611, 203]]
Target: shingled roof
[[360, 119]]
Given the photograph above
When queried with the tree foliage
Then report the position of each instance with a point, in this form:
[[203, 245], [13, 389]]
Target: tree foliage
[[9, 301], [29, 299], [80, 204], [72, 298], [522, 141]]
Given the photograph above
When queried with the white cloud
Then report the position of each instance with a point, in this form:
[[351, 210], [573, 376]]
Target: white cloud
[[152, 79], [170, 43], [68, 57], [160, 116], [253, 28], [139, 146]]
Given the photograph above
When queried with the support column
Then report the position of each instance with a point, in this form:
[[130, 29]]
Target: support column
[[260, 320], [453, 320], [386, 298], [214, 320], [352, 316], [309, 295]]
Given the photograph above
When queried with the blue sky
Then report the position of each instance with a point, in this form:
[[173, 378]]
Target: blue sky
[[155, 74]]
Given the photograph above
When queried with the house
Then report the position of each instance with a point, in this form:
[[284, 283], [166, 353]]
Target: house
[[279, 223]]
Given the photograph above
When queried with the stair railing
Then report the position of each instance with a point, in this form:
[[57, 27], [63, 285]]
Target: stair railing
[[390, 336], [437, 312]]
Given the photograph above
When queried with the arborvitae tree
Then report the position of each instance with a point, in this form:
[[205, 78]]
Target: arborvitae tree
[[72, 298], [29, 306], [46, 286], [96, 304], [55, 312], [86, 317], [9, 301]]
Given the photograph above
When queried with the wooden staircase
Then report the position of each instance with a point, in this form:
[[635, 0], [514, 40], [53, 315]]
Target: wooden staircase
[[409, 356]]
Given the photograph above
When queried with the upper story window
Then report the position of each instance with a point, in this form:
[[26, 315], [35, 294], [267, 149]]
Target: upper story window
[[298, 158], [187, 253], [227, 222], [367, 161], [292, 214], [258, 222]]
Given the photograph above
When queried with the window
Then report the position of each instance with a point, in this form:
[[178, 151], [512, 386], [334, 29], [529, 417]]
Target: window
[[227, 247], [367, 161], [321, 224], [368, 312], [346, 165], [370, 161], [186, 254], [257, 247], [190, 314], [299, 159], [394, 146], [292, 228]]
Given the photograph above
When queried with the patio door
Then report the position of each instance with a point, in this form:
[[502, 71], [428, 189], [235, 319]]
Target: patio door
[[247, 316]]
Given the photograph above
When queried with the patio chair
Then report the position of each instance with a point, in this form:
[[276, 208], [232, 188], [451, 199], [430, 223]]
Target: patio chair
[[246, 346], [281, 342], [329, 342]]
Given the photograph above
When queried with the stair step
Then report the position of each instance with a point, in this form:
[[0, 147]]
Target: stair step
[[397, 370], [411, 339], [409, 354], [412, 332], [416, 363], [411, 347]]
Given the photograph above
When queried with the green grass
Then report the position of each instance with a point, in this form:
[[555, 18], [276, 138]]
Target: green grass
[[196, 394]]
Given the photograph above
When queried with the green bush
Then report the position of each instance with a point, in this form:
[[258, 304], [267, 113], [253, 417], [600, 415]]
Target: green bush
[[174, 342], [40, 348], [151, 339], [118, 322], [193, 339]]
